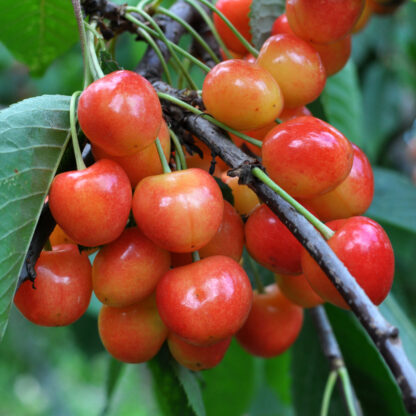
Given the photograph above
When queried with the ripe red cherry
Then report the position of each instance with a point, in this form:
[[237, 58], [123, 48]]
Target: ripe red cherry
[[307, 156], [133, 334], [120, 113], [365, 249], [92, 205], [63, 288], [237, 11], [205, 302], [273, 324], [196, 357], [323, 21], [179, 211], [295, 66], [127, 270], [242, 95], [351, 197], [144, 163]]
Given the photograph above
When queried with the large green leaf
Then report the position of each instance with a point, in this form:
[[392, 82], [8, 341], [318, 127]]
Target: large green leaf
[[262, 16], [394, 199], [33, 135], [38, 31], [342, 103], [114, 373]]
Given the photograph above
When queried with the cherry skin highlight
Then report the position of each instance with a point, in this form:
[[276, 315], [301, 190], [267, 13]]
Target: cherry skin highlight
[[92, 205], [179, 211], [242, 95], [365, 249], [273, 324], [63, 288], [307, 156], [205, 302], [120, 113]]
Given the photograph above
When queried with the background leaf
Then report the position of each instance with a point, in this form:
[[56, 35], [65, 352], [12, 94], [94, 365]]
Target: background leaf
[[33, 135], [114, 373], [36, 32]]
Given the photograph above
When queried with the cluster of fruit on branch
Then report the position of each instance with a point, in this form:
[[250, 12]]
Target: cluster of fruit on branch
[[168, 266]]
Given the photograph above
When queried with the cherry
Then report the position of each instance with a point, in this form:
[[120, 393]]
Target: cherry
[[258, 134], [273, 324], [242, 95], [364, 17], [237, 11], [127, 270], [296, 67], [365, 249], [307, 156], [323, 21], [133, 334], [385, 6], [179, 211], [351, 197], [63, 287], [205, 302], [197, 357], [144, 163], [92, 205], [120, 113], [298, 290]]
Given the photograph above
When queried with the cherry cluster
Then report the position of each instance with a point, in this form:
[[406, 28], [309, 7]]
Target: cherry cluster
[[168, 266]]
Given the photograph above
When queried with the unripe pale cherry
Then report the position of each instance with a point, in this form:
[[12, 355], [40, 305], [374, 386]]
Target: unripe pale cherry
[[242, 95], [307, 156], [120, 113]]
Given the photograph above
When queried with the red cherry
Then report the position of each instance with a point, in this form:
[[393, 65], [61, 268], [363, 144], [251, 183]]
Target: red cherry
[[179, 211], [365, 249], [92, 205], [63, 288], [120, 113], [205, 302], [127, 270], [197, 357], [273, 324], [307, 156]]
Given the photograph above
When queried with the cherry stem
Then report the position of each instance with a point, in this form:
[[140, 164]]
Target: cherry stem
[[73, 124], [195, 256], [319, 225], [178, 149], [194, 110], [256, 274], [349, 395], [329, 388], [162, 157], [95, 65]]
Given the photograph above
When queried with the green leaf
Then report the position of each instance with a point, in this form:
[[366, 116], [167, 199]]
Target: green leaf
[[38, 31], [226, 191], [108, 63], [342, 103], [263, 13], [33, 136], [394, 199], [114, 373]]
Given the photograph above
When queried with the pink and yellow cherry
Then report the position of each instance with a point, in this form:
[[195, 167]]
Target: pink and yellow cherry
[[205, 302], [196, 357], [298, 290], [273, 324], [63, 288], [351, 197], [92, 205], [365, 249], [270, 243], [306, 156], [179, 211], [120, 113], [144, 163], [133, 334], [237, 12], [242, 95], [323, 21], [295, 66], [127, 270]]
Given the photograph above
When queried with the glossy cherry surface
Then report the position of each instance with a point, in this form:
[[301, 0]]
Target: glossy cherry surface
[[205, 302], [120, 113], [365, 249], [92, 205], [63, 288]]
